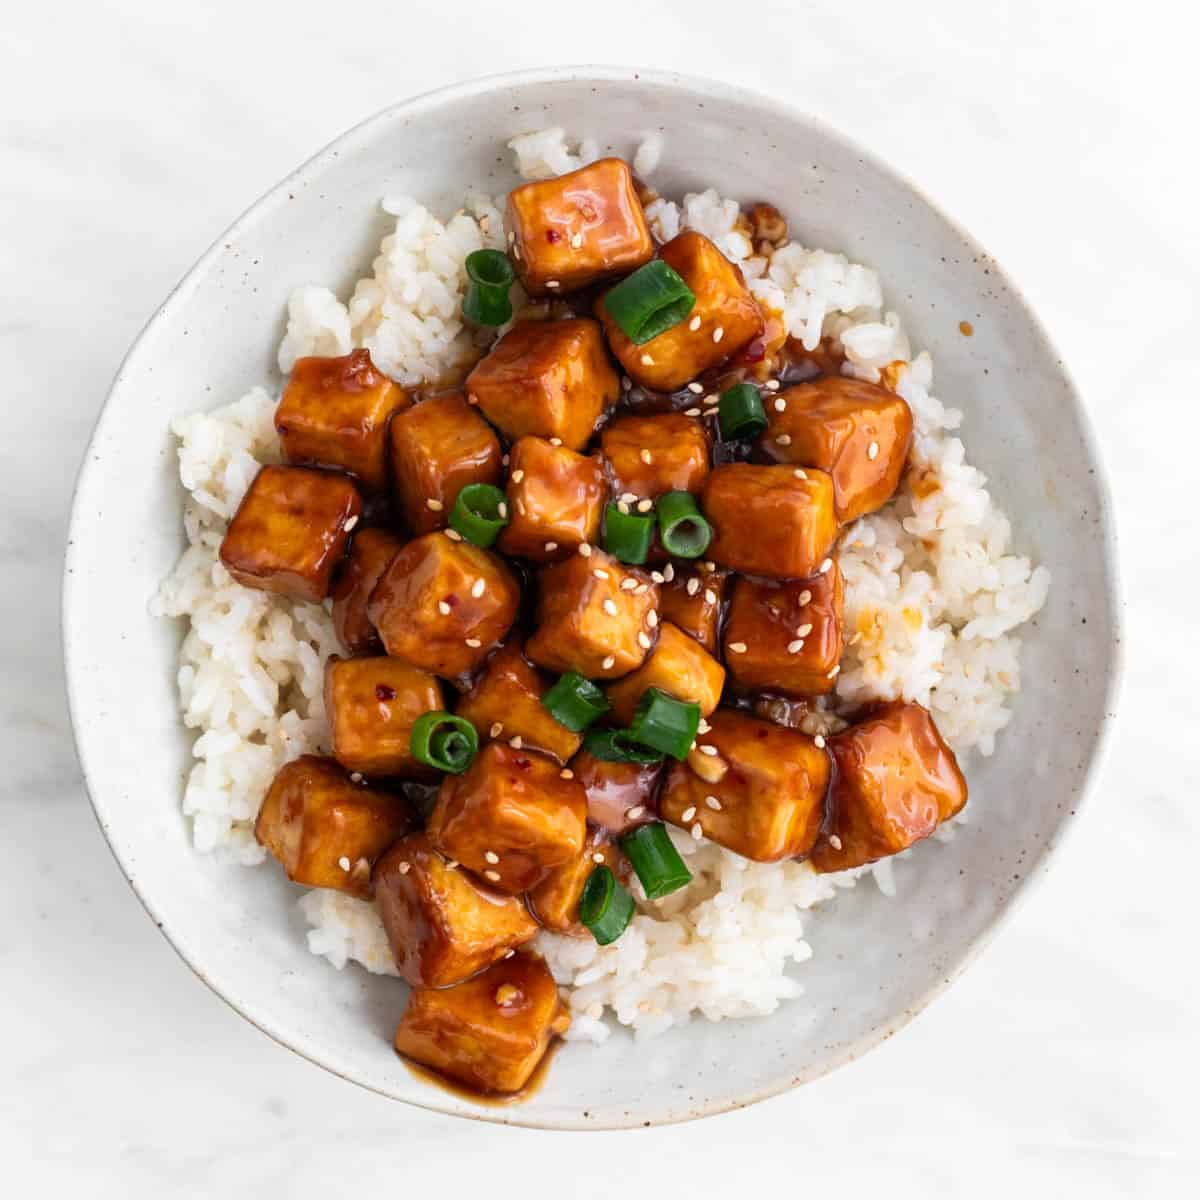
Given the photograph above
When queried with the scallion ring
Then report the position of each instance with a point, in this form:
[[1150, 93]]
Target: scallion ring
[[683, 532], [664, 723], [442, 740], [655, 860], [476, 513], [740, 412], [649, 302], [615, 745], [575, 702], [605, 907], [627, 536], [489, 277]]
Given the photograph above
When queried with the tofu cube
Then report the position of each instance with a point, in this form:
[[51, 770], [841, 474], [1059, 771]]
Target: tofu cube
[[723, 320], [620, 795], [371, 552], [555, 901], [325, 831], [444, 605], [438, 447], [679, 666], [588, 622], [442, 924], [548, 379], [649, 456], [507, 698], [489, 1033], [786, 636], [335, 412], [578, 229], [509, 817], [896, 779], [372, 705], [772, 521], [555, 501], [692, 599], [768, 784], [289, 532], [857, 432]]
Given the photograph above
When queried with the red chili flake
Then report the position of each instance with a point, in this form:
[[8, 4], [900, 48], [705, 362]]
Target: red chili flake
[[756, 351], [384, 691], [523, 763], [553, 235], [452, 600]]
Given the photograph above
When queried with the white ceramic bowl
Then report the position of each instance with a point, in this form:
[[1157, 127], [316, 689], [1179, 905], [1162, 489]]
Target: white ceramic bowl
[[217, 334]]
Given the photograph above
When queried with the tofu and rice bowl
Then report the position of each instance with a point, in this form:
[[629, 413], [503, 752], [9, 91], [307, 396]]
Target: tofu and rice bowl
[[604, 591]]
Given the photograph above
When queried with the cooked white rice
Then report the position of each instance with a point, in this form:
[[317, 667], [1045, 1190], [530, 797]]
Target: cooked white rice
[[933, 597]]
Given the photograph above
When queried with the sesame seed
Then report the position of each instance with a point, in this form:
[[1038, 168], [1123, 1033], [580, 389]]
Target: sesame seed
[[517, 475], [492, 876], [694, 323], [709, 750], [693, 585], [819, 742], [652, 618], [713, 803], [344, 863], [600, 572], [718, 333], [576, 240], [691, 412], [627, 585], [491, 856], [443, 608], [556, 441], [502, 510], [826, 564], [647, 361], [645, 505], [551, 547], [873, 450], [405, 868], [713, 399], [509, 953], [804, 598], [687, 814], [641, 589], [646, 456], [629, 497], [585, 549], [552, 283], [643, 640], [609, 662], [784, 439], [520, 506], [452, 863], [796, 646], [781, 405], [597, 857], [472, 398], [516, 741], [497, 729], [710, 595], [512, 237], [772, 385], [504, 460], [350, 524], [696, 831], [474, 643], [804, 630], [737, 647], [710, 567], [566, 773], [638, 810], [477, 588], [834, 673], [835, 841], [703, 727], [610, 607], [516, 252], [697, 388], [669, 572], [799, 474], [623, 507], [454, 535], [657, 576], [434, 505], [356, 777]]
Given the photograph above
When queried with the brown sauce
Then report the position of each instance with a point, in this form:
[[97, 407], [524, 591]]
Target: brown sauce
[[491, 1099]]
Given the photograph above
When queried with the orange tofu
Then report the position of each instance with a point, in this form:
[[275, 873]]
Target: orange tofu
[[290, 531], [489, 1033], [442, 924], [649, 456], [692, 600], [444, 605], [371, 551], [576, 230], [769, 786], [372, 705], [724, 319], [555, 901], [438, 447], [769, 520], [326, 831], [587, 622], [507, 698], [679, 666], [555, 501], [896, 780], [334, 413], [786, 636], [857, 432], [616, 789], [509, 817], [548, 379]]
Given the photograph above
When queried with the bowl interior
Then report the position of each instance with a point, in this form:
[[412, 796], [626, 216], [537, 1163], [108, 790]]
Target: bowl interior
[[216, 336]]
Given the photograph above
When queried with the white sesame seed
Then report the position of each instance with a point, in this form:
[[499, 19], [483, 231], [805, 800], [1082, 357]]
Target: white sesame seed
[[576, 240], [710, 595], [520, 506], [404, 868], [600, 572], [691, 412], [657, 576], [819, 742], [696, 831], [718, 333], [443, 608], [609, 662], [504, 460], [669, 572], [781, 405], [713, 399], [737, 647], [512, 237], [434, 505], [873, 450], [552, 283], [477, 588], [804, 630], [826, 564], [516, 741], [516, 252], [784, 439], [646, 456], [555, 441], [693, 585], [350, 524], [709, 750], [703, 727], [688, 813], [517, 475], [623, 507], [454, 535], [772, 385], [694, 323], [834, 673], [492, 876], [652, 618], [710, 567], [550, 547], [566, 773], [497, 729], [502, 510], [641, 589], [697, 388], [804, 598], [800, 474], [643, 640], [491, 856], [344, 863], [627, 585], [509, 953], [585, 549], [474, 643], [796, 646], [645, 505], [597, 858], [835, 841], [632, 814], [647, 360], [610, 607], [356, 777], [713, 803], [629, 497]]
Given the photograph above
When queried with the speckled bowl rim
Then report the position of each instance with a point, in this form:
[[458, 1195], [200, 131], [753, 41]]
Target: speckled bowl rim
[[433, 1099]]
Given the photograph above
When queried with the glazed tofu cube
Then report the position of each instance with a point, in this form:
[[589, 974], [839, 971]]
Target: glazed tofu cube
[[587, 621], [772, 521], [444, 605], [489, 1033], [442, 924], [768, 784], [857, 432], [326, 831], [549, 379], [438, 447], [692, 600], [372, 705], [335, 412], [555, 901], [555, 501], [620, 795], [290, 531], [506, 702], [578, 229], [896, 779], [679, 666], [724, 319], [509, 817], [648, 456], [786, 636], [371, 552]]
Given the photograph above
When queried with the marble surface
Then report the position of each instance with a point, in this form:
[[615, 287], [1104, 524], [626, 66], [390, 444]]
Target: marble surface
[[1065, 1060]]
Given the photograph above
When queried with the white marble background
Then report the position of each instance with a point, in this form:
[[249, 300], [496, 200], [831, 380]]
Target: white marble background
[[1063, 136]]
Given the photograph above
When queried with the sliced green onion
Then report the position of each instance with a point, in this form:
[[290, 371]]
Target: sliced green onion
[[627, 536], [605, 907], [683, 532], [575, 702], [477, 513], [665, 724], [740, 412], [442, 740], [489, 276], [615, 745], [649, 302], [655, 859]]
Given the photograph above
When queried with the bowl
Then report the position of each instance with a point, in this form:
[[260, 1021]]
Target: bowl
[[216, 335]]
